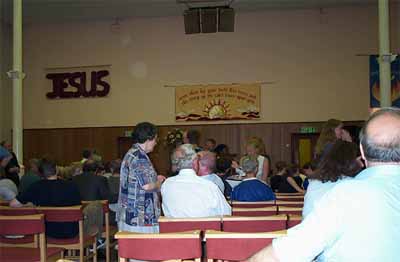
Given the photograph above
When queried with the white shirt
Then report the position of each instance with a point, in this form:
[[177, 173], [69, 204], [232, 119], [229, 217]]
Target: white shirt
[[188, 195], [357, 220], [216, 180], [315, 191]]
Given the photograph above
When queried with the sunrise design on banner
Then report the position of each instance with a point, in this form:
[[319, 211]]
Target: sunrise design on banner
[[217, 102], [374, 81]]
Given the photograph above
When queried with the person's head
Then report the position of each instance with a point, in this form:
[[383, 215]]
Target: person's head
[[307, 169], [331, 131], [207, 161], [210, 144], [115, 166], [223, 165], [254, 146], [76, 168], [145, 134], [191, 137], [340, 160], [221, 149], [186, 157], [90, 166], [87, 154], [280, 166], [34, 164], [380, 138], [5, 156], [47, 168], [249, 166], [100, 169]]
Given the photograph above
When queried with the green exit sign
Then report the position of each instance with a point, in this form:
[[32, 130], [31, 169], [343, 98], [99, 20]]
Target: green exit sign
[[308, 129]]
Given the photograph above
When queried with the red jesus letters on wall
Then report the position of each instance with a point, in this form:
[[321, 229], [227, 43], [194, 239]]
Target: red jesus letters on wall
[[78, 80]]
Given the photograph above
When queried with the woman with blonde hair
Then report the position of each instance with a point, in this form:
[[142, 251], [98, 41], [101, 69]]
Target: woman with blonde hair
[[255, 148]]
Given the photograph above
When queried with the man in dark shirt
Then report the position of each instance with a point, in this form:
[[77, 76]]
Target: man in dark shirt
[[92, 186], [52, 192]]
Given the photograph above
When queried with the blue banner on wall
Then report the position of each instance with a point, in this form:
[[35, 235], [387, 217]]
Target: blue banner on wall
[[374, 81]]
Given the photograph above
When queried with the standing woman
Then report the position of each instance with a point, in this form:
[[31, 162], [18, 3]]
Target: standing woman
[[331, 131], [255, 148], [138, 202]]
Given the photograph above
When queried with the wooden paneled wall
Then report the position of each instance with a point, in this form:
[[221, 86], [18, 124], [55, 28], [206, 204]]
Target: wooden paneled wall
[[65, 145]]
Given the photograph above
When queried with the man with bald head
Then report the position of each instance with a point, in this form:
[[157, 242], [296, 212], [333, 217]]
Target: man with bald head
[[359, 219], [207, 162]]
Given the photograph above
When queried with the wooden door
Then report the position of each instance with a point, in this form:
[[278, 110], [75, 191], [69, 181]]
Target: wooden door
[[303, 147]]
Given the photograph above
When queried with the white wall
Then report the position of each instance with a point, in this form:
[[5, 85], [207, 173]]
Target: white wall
[[312, 57]]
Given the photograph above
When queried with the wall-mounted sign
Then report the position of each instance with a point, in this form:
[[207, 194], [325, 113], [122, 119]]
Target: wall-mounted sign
[[217, 102], [308, 129], [74, 82]]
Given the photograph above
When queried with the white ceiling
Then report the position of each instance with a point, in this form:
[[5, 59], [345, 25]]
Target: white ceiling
[[39, 11]]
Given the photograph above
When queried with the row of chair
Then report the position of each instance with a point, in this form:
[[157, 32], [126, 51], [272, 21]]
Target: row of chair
[[229, 223], [61, 214], [186, 246], [297, 203]]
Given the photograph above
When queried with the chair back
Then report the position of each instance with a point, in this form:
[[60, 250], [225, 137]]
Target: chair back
[[290, 198], [22, 224], [293, 220], [237, 246], [254, 224], [262, 211], [290, 210], [241, 204], [290, 203], [17, 211], [169, 225], [62, 214], [159, 247]]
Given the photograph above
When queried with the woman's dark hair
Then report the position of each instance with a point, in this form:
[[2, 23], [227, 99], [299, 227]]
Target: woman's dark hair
[[144, 131], [47, 168], [193, 136], [221, 149], [340, 160], [223, 164]]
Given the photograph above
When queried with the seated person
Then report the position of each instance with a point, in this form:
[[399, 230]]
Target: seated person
[[291, 181], [91, 185], [186, 194], [224, 171], [251, 188], [338, 164], [207, 167], [52, 191], [276, 179], [31, 176]]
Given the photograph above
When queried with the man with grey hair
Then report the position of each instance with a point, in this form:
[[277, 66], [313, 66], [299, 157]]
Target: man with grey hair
[[251, 189], [358, 219], [188, 195], [207, 162]]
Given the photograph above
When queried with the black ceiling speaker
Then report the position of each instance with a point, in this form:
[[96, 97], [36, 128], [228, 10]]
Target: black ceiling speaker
[[226, 21], [192, 21], [209, 20]]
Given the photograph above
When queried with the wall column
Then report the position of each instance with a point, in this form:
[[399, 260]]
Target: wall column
[[384, 54], [17, 76]]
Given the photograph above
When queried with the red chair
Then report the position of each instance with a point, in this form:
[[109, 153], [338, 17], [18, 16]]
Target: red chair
[[22, 241], [289, 203], [78, 243], [262, 211], [169, 225], [159, 247], [290, 198], [293, 220], [237, 246], [254, 224], [253, 204], [290, 210], [27, 225], [288, 194]]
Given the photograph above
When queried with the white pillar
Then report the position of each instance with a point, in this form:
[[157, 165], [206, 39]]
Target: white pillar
[[17, 77], [384, 54]]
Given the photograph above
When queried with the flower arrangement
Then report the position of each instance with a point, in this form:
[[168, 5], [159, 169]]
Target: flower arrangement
[[174, 137]]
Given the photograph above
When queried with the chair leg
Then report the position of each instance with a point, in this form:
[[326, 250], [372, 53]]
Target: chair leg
[[95, 251]]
